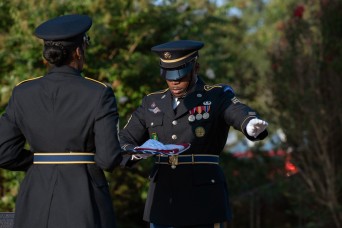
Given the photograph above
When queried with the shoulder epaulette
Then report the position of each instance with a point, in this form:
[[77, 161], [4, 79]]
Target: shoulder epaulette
[[210, 87], [96, 81], [227, 88], [158, 92], [30, 79]]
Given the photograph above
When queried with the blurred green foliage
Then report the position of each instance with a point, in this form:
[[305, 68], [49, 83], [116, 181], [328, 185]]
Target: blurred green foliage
[[306, 86]]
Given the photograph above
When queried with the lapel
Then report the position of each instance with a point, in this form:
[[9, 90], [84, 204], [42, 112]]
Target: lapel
[[165, 104], [193, 99]]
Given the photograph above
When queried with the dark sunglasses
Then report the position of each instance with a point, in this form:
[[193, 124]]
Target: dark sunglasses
[[86, 39]]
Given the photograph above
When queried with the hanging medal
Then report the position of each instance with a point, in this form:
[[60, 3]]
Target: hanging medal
[[206, 111], [199, 113], [192, 117]]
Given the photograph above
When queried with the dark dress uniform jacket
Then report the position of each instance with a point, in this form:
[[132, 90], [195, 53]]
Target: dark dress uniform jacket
[[189, 194], [61, 112]]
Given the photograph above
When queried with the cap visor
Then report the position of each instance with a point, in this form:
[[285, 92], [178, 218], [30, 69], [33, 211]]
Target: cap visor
[[177, 74]]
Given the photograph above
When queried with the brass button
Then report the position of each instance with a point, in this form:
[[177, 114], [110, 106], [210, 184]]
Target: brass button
[[174, 137], [152, 123], [212, 181], [174, 122]]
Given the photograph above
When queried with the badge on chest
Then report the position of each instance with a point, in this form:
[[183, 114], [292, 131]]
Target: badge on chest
[[199, 132], [154, 108]]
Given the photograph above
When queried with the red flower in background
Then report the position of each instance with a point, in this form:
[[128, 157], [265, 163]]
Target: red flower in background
[[290, 168], [298, 12]]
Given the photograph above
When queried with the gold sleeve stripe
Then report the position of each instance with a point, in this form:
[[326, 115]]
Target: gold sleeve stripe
[[96, 81], [247, 118], [159, 92], [124, 146], [128, 121], [179, 59], [30, 79]]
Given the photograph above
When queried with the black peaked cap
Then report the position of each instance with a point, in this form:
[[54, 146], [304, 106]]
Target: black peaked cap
[[63, 27], [177, 53], [177, 58]]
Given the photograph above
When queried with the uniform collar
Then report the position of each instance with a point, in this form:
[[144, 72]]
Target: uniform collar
[[192, 99], [65, 69]]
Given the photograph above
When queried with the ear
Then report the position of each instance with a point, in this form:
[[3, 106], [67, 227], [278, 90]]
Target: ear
[[79, 53]]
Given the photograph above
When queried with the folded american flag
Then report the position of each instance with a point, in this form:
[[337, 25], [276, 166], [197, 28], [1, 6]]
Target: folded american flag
[[153, 146]]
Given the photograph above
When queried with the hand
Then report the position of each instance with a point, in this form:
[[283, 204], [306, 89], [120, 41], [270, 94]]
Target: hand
[[255, 127], [140, 156]]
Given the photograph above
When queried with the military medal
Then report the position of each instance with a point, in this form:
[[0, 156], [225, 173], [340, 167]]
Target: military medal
[[199, 113], [206, 111], [192, 118], [198, 116]]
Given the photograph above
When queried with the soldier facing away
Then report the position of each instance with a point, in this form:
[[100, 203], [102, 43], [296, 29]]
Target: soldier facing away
[[70, 123]]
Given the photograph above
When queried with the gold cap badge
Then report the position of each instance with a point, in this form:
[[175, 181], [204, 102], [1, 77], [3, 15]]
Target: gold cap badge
[[167, 55]]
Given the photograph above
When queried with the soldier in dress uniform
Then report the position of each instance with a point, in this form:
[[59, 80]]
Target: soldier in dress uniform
[[70, 124], [188, 190]]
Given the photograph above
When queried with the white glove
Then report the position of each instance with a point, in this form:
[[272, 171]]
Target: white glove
[[140, 156], [255, 127]]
